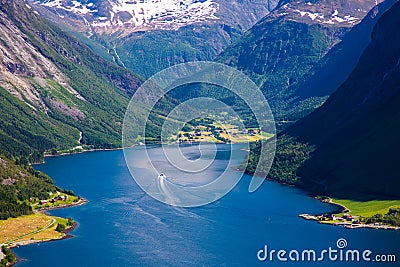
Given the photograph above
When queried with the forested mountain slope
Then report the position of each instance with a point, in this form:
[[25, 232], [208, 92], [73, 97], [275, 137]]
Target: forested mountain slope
[[291, 44], [348, 147], [54, 94], [148, 36], [52, 88]]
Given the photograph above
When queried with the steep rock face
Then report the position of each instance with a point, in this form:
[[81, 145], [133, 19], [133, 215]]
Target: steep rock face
[[244, 14], [336, 66], [354, 134], [22, 64], [282, 50], [345, 13], [52, 87]]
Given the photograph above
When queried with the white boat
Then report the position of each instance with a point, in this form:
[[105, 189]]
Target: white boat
[[162, 176]]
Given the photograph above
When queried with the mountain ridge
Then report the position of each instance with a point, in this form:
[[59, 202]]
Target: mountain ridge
[[53, 88], [348, 147], [284, 49], [131, 16], [183, 38]]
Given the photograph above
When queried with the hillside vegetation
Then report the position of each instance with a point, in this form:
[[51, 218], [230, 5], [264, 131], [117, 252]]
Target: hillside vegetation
[[53, 88], [296, 53], [19, 183], [348, 147]]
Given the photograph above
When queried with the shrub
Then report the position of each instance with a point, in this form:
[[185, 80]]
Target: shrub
[[60, 227]]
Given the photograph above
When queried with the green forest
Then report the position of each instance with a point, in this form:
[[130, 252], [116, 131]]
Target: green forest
[[19, 183]]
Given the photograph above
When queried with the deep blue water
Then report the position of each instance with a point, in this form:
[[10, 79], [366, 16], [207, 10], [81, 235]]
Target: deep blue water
[[121, 226]]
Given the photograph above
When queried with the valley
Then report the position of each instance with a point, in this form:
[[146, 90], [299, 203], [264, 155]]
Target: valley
[[329, 70]]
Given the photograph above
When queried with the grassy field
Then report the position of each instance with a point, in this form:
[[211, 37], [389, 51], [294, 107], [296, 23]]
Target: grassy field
[[229, 132], [37, 226], [369, 208]]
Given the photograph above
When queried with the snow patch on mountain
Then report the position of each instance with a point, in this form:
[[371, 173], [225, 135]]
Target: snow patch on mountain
[[311, 15], [142, 14], [334, 18], [337, 13], [71, 6]]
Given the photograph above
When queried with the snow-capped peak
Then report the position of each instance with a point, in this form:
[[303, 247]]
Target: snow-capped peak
[[140, 14], [336, 13]]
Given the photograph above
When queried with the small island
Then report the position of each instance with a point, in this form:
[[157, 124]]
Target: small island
[[375, 214]]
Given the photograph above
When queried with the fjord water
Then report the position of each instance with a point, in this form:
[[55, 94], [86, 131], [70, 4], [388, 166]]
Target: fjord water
[[122, 226]]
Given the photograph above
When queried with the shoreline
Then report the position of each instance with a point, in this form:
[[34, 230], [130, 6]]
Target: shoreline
[[32, 242], [343, 209], [121, 148], [73, 153], [345, 224], [66, 232], [80, 202], [81, 152]]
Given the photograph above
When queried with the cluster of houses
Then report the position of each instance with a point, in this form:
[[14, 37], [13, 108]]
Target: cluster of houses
[[59, 197], [344, 218]]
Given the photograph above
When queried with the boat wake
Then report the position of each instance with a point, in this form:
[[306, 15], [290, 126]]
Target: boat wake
[[163, 187]]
